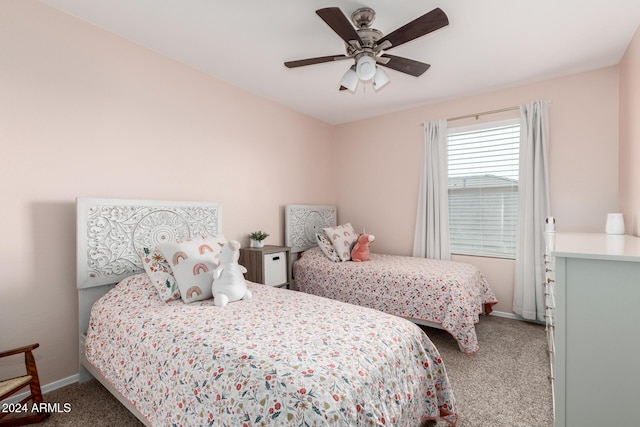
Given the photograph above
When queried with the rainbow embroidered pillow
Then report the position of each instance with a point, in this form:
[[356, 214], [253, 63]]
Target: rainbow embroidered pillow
[[157, 268], [343, 237], [193, 262]]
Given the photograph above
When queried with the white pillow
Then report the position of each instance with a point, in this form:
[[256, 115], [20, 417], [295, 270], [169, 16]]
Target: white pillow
[[193, 262], [157, 268], [327, 247], [343, 238]]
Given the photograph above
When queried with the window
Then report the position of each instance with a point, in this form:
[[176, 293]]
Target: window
[[483, 188]]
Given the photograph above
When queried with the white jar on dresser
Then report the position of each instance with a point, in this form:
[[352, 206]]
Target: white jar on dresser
[[596, 374]]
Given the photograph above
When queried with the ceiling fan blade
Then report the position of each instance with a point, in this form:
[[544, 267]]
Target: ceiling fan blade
[[404, 65], [425, 24], [318, 60], [339, 23]]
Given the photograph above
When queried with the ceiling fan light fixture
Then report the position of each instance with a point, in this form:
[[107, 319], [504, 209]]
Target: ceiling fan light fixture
[[380, 78], [366, 68], [365, 45], [350, 79]]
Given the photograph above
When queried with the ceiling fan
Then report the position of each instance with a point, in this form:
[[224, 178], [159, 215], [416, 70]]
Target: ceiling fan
[[366, 45]]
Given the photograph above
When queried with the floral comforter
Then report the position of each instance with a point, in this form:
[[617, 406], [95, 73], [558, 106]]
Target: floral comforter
[[281, 358], [450, 294]]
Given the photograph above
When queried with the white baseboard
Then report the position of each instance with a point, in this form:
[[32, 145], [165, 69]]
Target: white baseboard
[[46, 388], [506, 315], [513, 316]]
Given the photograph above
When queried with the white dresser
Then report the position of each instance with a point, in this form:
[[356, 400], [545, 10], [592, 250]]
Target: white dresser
[[596, 374]]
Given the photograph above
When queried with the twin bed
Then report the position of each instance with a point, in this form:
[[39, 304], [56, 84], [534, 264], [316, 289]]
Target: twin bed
[[443, 294], [279, 358]]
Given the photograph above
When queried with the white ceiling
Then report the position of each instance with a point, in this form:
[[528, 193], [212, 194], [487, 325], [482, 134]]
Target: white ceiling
[[488, 45]]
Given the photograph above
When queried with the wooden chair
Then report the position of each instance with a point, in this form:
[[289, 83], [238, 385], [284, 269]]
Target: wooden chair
[[13, 385]]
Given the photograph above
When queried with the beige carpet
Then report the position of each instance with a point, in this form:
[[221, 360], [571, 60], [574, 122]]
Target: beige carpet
[[505, 384]]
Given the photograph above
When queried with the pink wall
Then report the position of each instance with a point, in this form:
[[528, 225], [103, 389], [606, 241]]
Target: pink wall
[[378, 165], [630, 136], [84, 113]]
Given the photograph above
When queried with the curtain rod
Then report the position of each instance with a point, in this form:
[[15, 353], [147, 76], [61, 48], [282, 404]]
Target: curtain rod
[[484, 113], [477, 115]]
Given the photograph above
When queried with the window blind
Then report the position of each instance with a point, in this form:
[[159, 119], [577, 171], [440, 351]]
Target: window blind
[[483, 188]]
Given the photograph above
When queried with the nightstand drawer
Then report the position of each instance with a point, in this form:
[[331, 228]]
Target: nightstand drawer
[[275, 269], [269, 265]]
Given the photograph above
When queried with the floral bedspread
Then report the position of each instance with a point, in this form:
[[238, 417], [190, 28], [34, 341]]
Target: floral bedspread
[[448, 293], [281, 358]]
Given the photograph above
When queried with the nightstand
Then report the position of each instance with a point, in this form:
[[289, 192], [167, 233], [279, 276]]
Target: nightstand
[[268, 265]]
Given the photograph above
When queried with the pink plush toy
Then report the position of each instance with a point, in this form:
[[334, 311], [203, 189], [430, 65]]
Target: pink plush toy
[[360, 251]]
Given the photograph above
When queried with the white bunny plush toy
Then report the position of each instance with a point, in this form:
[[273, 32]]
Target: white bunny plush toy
[[228, 282]]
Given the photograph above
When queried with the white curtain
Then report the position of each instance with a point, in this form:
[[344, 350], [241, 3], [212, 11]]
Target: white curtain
[[431, 238], [533, 208]]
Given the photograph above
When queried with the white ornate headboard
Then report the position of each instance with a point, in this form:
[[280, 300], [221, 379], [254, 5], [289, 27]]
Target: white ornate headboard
[[303, 221], [110, 233]]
